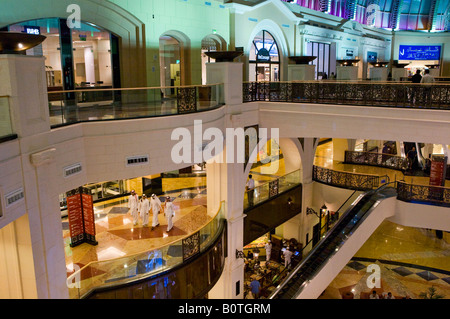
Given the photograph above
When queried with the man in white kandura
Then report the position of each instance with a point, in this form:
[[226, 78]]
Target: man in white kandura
[[287, 257], [144, 208], [268, 248], [155, 204], [169, 212], [133, 202]]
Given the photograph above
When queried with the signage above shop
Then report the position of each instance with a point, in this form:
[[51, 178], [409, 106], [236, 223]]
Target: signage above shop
[[32, 30], [263, 55], [419, 52]]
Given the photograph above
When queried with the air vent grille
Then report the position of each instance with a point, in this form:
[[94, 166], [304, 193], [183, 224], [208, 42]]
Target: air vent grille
[[14, 197], [137, 160], [72, 169]]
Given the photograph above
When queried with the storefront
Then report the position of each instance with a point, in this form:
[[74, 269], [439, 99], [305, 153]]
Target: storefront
[[81, 57], [264, 59]]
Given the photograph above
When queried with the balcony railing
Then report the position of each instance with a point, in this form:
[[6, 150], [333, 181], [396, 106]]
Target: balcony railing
[[128, 269], [434, 195], [376, 159], [69, 107], [6, 129], [268, 190], [349, 180], [365, 93]]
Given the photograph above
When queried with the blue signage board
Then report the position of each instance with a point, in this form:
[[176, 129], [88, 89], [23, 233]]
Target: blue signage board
[[32, 30], [419, 52]]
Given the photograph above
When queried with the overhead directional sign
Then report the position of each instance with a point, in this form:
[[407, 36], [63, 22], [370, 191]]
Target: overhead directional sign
[[419, 52]]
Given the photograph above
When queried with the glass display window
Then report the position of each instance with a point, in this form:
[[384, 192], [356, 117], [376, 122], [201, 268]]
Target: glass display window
[[264, 58]]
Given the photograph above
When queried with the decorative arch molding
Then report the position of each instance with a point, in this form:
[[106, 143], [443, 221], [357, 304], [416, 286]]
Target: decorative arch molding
[[280, 38], [292, 150], [219, 39], [185, 53], [105, 14]]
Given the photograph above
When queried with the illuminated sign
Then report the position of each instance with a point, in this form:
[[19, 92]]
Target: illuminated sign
[[419, 52], [371, 56], [32, 30], [263, 55]]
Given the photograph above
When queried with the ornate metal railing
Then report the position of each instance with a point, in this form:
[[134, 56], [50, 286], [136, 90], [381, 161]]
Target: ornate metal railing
[[435, 195], [97, 104], [376, 159], [349, 180], [366, 93]]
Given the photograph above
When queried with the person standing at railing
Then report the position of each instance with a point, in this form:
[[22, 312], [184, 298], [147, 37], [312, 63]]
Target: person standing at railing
[[169, 212], [133, 202], [411, 156], [249, 187], [155, 204], [427, 79], [416, 78]]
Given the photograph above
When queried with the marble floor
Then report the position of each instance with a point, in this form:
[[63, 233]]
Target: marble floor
[[414, 250]]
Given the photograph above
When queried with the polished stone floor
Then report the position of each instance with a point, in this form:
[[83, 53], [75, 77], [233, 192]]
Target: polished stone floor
[[411, 259]]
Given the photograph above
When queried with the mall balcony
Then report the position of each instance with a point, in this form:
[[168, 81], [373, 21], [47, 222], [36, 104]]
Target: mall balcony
[[65, 143]]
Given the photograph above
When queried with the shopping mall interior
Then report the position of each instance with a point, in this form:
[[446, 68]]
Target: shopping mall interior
[[189, 149]]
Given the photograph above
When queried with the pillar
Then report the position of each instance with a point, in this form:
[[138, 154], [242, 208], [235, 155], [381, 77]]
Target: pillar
[[23, 79], [301, 72], [230, 74], [378, 73], [347, 73]]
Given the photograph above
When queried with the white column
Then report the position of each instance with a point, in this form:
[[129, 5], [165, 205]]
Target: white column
[[347, 72], [378, 73], [23, 80], [230, 74], [301, 72]]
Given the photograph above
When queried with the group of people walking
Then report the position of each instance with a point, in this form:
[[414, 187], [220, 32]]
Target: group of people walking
[[140, 208]]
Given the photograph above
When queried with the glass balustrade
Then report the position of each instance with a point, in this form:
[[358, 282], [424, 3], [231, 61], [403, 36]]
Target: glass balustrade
[[94, 104], [108, 273], [266, 191]]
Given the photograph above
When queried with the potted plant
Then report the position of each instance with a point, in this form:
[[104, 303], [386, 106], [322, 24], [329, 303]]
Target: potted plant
[[431, 294]]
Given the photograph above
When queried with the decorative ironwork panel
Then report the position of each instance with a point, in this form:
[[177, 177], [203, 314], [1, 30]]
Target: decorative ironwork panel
[[186, 100], [422, 193], [273, 188], [345, 179], [191, 246]]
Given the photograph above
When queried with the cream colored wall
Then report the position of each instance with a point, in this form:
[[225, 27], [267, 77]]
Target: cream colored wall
[[194, 19]]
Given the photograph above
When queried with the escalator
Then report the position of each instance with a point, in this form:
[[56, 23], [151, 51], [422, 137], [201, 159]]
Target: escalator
[[318, 266]]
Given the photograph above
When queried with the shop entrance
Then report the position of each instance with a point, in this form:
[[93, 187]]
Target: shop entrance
[[264, 60]]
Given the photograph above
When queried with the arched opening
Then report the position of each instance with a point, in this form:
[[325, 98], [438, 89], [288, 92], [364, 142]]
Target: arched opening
[[210, 43], [170, 63], [74, 57], [264, 58]]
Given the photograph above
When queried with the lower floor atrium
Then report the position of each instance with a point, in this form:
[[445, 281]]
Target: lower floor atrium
[[411, 260]]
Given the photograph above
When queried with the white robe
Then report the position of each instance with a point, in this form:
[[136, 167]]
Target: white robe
[[156, 208], [268, 248], [144, 208], [133, 205], [169, 212]]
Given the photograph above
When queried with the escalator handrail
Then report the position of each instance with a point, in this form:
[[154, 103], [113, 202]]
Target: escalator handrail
[[369, 195]]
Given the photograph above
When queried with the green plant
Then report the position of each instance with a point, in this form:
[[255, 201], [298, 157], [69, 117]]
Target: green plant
[[431, 294]]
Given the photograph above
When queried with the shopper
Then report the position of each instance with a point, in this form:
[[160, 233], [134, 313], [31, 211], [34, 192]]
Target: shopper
[[287, 257], [144, 208], [155, 204], [255, 287], [249, 187], [268, 248], [133, 202], [411, 156], [427, 78], [169, 212], [374, 295], [389, 296]]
